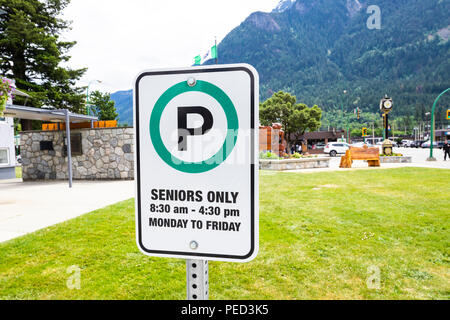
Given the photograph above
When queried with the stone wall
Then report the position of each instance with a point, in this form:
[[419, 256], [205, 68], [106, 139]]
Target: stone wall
[[395, 159], [107, 153], [294, 164]]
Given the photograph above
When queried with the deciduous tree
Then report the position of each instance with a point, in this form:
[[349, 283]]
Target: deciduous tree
[[295, 118], [32, 52]]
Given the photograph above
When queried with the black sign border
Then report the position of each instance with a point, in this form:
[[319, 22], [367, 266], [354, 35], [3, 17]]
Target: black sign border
[[252, 165]]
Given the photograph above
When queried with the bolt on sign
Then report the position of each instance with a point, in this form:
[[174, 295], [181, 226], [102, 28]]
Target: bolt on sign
[[196, 162]]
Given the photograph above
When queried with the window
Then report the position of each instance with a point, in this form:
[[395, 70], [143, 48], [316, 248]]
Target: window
[[75, 144], [4, 157], [46, 145]]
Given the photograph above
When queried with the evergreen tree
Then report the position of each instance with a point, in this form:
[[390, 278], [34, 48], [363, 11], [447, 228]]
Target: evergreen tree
[[32, 53], [103, 106]]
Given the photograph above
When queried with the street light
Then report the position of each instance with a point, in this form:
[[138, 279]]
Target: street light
[[344, 114], [431, 158]]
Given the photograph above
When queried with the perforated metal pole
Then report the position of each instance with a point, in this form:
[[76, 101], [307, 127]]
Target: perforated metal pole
[[69, 148], [197, 280]]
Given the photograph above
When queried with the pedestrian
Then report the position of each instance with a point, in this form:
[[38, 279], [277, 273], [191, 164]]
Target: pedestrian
[[446, 149]]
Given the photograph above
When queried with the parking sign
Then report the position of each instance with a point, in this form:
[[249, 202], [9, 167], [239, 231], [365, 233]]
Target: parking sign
[[196, 162]]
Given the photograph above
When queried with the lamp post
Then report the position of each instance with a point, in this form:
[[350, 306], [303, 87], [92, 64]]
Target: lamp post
[[386, 106], [88, 107], [432, 124], [344, 114]]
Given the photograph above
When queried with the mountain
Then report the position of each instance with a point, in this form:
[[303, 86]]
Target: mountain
[[284, 5], [124, 106], [316, 49]]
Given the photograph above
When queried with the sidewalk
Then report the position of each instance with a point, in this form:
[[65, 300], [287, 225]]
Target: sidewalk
[[29, 206]]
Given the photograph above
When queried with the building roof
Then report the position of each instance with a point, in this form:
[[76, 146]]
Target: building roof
[[322, 135], [48, 115]]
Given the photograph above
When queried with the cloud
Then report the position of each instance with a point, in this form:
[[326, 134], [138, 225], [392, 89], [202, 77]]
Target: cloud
[[116, 39]]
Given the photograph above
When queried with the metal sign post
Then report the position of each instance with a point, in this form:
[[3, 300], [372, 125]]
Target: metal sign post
[[197, 279]]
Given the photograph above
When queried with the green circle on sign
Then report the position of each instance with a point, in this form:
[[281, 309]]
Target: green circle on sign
[[232, 127]]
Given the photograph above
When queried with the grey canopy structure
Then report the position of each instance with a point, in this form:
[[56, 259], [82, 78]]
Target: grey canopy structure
[[50, 115]]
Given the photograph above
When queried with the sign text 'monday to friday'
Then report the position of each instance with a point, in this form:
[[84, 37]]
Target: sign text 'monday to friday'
[[194, 224]]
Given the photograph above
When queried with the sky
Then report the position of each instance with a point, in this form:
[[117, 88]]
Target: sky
[[116, 39]]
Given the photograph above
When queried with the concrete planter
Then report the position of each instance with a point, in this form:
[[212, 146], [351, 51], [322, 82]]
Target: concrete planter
[[395, 159], [294, 164]]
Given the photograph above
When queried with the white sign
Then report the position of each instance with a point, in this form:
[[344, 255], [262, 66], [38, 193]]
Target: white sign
[[196, 132]]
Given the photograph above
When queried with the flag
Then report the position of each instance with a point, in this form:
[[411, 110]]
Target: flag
[[210, 54], [206, 57]]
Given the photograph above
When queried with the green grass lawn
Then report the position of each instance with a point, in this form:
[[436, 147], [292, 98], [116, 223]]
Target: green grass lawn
[[19, 172], [320, 235]]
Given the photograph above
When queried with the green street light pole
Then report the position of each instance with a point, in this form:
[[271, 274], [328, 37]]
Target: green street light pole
[[432, 124], [88, 109]]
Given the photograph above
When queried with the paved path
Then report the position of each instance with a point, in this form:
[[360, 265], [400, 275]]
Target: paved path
[[29, 206]]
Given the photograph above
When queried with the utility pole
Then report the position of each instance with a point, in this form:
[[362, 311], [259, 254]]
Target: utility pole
[[373, 132]]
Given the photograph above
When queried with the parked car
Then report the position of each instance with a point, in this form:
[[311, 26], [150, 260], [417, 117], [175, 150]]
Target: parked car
[[320, 145], [335, 148], [362, 144], [407, 143], [418, 143], [439, 144]]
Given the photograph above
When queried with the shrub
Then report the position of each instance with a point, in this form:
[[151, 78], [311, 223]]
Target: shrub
[[268, 155]]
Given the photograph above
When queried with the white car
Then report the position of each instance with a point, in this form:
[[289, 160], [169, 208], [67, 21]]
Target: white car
[[335, 148], [407, 143], [362, 144]]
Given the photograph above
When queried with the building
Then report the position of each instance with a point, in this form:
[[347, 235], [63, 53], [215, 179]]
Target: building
[[8, 161], [442, 135], [271, 139], [312, 138]]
